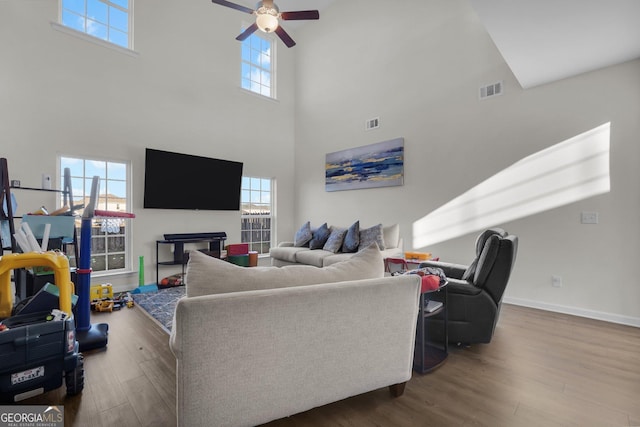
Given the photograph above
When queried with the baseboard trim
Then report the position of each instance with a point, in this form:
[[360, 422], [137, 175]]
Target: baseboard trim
[[575, 311]]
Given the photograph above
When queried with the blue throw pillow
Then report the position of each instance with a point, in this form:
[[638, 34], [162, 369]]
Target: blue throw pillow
[[303, 235], [320, 237], [334, 243], [352, 239]]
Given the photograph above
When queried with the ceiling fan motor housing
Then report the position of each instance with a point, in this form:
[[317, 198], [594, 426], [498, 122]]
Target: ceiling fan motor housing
[[267, 16], [267, 19]]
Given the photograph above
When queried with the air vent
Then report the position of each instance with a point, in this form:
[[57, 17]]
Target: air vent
[[488, 91], [372, 123]]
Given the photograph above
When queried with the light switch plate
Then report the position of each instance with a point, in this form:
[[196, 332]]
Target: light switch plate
[[589, 218]]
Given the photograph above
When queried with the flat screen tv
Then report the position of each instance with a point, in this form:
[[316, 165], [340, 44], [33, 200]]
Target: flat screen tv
[[184, 181]]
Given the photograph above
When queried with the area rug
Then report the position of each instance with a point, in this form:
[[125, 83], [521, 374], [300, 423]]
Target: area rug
[[161, 304]]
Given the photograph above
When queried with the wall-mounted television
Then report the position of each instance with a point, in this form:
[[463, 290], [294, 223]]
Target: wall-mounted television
[[185, 181]]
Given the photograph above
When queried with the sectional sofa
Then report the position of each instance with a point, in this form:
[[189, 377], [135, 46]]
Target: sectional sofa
[[340, 243]]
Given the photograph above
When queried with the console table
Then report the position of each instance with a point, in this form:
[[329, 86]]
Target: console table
[[215, 242]]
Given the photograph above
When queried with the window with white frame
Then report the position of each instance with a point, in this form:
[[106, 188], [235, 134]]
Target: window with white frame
[[109, 236], [257, 213], [108, 20], [257, 70]]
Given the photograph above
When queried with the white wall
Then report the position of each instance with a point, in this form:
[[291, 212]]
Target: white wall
[[418, 67], [60, 94]]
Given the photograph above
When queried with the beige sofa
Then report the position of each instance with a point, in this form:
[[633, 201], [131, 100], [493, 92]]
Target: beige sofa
[[258, 344], [286, 253]]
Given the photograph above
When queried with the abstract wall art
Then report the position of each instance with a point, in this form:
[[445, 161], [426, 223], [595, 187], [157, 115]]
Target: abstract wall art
[[369, 166]]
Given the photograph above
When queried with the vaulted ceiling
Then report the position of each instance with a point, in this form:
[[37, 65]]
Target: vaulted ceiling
[[547, 40]]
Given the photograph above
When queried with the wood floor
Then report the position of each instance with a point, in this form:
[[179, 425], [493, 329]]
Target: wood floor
[[541, 369]]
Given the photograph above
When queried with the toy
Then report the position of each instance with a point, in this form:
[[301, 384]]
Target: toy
[[90, 336], [123, 299], [108, 302], [39, 350], [98, 292], [101, 297], [104, 305]]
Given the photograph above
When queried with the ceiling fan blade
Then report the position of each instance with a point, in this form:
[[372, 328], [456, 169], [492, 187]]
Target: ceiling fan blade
[[233, 6], [300, 15], [285, 37], [246, 33]]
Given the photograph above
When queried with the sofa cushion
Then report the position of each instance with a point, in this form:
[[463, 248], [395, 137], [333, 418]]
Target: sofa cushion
[[303, 235], [314, 257], [391, 235], [320, 237], [371, 235], [208, 275], [286, 253], [352, 238], [334, 242], [332, 259]]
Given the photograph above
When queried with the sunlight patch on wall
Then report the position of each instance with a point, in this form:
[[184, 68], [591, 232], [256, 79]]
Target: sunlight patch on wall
[[569, 171]]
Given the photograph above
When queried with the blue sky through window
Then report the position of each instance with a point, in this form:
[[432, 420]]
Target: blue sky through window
[[104, 19], [256, 70]]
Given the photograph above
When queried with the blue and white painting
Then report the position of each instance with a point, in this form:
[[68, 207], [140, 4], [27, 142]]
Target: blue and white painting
[[369, 166]]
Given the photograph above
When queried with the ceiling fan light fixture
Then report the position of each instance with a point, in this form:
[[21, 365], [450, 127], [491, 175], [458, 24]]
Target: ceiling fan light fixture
[[267, 18]]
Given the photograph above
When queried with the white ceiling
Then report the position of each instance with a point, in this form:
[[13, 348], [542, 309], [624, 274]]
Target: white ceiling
[[546, 40]]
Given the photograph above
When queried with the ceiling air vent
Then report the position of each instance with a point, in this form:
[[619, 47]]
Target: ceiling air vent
[[372, 123], [493, 89]]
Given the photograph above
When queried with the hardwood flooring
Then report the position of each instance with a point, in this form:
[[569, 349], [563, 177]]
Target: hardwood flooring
[[541, 369]]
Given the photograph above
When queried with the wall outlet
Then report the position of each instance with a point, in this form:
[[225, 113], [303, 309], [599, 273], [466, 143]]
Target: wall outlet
[[556, 281], [589, 217]]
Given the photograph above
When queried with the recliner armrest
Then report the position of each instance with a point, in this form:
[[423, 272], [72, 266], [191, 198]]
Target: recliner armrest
[[457, 286], [453, 271]]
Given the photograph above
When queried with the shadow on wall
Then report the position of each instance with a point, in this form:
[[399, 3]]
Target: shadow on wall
[[571, 170]]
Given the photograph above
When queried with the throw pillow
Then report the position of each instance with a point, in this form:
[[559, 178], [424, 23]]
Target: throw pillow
[[208, 275], [303, 235], [352, 238], [334, 242], [371, 235], [320, 237]]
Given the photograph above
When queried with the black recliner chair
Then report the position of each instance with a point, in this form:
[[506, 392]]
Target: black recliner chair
[[475, 291]]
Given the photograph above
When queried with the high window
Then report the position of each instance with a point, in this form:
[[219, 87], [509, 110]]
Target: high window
[[108, 20], [109, 236], [257, 213], [257, 74]]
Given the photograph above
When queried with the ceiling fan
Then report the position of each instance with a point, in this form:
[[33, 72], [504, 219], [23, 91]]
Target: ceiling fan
[[267, 16]]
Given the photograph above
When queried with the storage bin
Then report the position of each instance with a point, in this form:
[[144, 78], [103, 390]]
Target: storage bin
[[61, 226]]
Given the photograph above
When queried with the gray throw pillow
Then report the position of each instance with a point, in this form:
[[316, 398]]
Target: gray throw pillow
[[371, 235], [334, 242], [320, 237], [352, 238], [303, 235]]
